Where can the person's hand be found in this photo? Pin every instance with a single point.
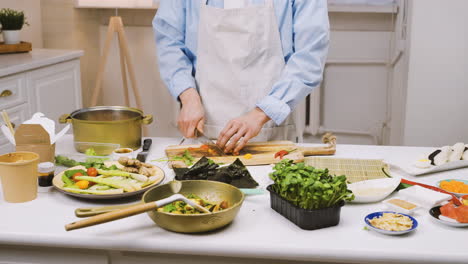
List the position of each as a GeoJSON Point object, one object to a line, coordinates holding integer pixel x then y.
{"type": "Point", "coordinates": [239, 131]}
{"type": "Point", "coordinates": [192, 113]}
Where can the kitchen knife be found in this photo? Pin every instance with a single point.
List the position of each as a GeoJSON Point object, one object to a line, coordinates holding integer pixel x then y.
{"type": "Point", "coordinates": [206, 141]}
{"type": "Point", "coordinates": [144, 153]}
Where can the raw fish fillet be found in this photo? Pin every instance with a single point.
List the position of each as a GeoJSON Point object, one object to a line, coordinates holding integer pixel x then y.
{"type": "Point", "coordinates": [449, 210]}
{"type": "Point", "coordinates": [462, 214]}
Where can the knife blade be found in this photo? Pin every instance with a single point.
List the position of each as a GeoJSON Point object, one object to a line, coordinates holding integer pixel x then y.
{"type": "Point", "coordinates": [144, 153]}
{"type": "Point", "coordinates": [206, 141]}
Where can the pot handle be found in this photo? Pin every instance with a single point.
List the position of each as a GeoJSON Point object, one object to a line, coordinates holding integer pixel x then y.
{"type": "Point", "coordinates": [147, 119]}
{"type": "Point", "coordinates": [66, 118]}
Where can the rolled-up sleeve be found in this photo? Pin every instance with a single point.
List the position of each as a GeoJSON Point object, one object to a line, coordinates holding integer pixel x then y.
{"type": "Point", "coordinates": [169, 28]}
{"type": "Point", "coordinates": [304, 69]}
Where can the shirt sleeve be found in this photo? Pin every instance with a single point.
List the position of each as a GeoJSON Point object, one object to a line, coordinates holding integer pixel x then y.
{"type": "Point", "coordinates": [304, 69]}
{"type": "Point", "coordinates": [169, 28]}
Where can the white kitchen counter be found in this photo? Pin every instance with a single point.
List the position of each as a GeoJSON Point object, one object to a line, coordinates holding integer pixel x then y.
{"type": "Point", "coordinates": [20, 62]}
{"type": "Point", "coordinates": [258, 232]}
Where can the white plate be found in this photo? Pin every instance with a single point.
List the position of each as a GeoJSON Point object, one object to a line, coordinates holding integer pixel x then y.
{"type": "Point", "coordinates": [387, 185]}
{"type": "Point", "coordinates": [413, 170]}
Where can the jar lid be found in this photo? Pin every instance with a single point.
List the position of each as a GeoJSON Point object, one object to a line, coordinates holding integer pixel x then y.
{"type": "Point", "coordinates": [45, 167]}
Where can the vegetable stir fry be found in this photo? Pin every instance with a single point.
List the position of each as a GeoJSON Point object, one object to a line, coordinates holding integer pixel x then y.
{"type": "Point", "coordinates": [180, 207]}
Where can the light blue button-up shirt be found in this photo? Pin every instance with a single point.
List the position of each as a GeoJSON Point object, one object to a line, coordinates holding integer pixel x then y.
{"type": "Point", "coordinates": [304, 30]}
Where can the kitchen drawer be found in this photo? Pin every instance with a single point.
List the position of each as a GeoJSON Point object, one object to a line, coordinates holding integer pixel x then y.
{"type": "Point", "coordinates": [41, 255]}
{"type": "Point", "coordinates": [12, 90]}
{"type": "Point", "coordinates": [18, 115]}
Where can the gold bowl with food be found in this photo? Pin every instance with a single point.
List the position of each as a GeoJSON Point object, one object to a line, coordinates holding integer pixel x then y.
{"type": "Point", "coordinates": [215, 195]}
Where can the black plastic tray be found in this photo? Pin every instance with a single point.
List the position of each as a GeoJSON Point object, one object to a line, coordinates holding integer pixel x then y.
{"type": "Point", "coordinates": [305, 219]}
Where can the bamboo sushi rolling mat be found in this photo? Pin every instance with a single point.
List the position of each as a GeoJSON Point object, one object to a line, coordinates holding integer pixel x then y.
{"type": "Point", "coordinates": [356, 170]}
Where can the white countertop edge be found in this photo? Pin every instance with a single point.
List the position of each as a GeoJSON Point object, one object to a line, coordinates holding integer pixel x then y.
{"type": "Point", "coordinates": [313, 254]}
{"type": "Point", "coordinates": [68, 55]}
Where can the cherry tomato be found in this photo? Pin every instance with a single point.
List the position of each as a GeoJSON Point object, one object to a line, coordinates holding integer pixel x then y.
{"type": "Point", "coordinates": [78, 174]}
{"type": "Point", "coordinates": [92, 172]}
{"type": "Point", "coordinates": [280, 154]}
{"type": "Point", "coordinates": [82, 184]}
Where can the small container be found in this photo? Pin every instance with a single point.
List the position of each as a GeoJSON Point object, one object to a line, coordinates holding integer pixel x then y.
{"type": "Point", "coordinates": [306, 219]}
{"type": "Point", "coordinates": [46, 172]}
{"type": "Point", "coordinates": [401, 205]}
{"type": "Point", "coordinates": [18, 174]}
{"type": "Point", "coordinates": [123, 152]}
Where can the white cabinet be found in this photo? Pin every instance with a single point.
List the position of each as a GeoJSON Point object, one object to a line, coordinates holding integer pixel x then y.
{"type": "Point", "coordinates": [55, 90]}
{"type": "Point", "coordinates": [46, 81]}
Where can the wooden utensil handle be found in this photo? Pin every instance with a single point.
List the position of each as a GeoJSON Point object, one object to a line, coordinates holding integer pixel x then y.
{"type": "Point", "coordinates": [92, 211]}
{"type": "Point", "coordinates": [111, 216]}
{"type": "Point", "coordinates": [316, 151]}
{"type": "Point", "coordinates": [329, 139]}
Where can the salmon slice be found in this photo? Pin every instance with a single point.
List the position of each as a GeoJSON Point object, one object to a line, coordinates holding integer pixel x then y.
{"type": "Point", "coordinates": [449, 210]}
{"type": "Point", "coordinates": [462, 214]}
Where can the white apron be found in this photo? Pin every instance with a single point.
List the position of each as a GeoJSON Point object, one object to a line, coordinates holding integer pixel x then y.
{"type": "Point", "coordinates": [239, 59]}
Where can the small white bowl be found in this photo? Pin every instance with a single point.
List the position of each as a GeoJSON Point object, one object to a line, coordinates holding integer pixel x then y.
{"type": "Point", "coordinates": [129, 154]}
{"type": "Point", "coordinates": [382, 187]}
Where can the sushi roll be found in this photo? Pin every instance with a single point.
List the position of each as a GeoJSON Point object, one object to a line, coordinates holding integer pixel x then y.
{"type": "Point", "coordinates": [465, 154]}
{"type": "Point", "coordinates": [457, 152]}
{"type": "Point", "coordinates": [440, 156]}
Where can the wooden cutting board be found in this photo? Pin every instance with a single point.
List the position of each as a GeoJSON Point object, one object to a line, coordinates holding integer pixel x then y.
{"type": "Point", "coordinates": [263, 153]}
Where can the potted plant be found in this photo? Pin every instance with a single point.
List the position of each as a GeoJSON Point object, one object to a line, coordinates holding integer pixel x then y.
{"type": "Point", "coordinates": [12, 22]}
{"type": "Point", "coordinates": [309, 197]}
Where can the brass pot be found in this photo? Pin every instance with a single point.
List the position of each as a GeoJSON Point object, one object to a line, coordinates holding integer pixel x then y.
{"type": "Point", "coordinates": [209, 190]}
{"type": "Point", "coordinates": [108, 124]}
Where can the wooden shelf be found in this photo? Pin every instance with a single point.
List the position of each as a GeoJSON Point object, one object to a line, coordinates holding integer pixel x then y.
{"type": "Point", "coordinates": [387, 9]}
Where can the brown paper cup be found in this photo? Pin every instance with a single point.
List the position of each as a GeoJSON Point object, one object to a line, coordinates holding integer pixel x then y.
{"type": "Point", "coordinates": [18, 174]}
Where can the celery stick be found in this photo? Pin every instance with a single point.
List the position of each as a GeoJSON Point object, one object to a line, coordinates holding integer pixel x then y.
{"type": "Point", "coordinates": [111, 191]}
{"type": "Point", "coordinates": [139, 177]}
{"type": "Point", "coordinates": [112, 183]}
{"type": "Point", "coordinates": [67, 182]}
{"type": "Point", "coordinates": [135, 176]}
{"type": "Point", "coordinates": [114, 173]}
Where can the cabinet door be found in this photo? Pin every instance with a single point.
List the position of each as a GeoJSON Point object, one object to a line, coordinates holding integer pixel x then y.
{"type": "Point", "coordinates": [17, 116]}
{"type": "Point", "coordinates": [55, 90]}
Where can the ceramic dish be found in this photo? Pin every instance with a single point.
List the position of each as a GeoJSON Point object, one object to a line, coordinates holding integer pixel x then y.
{"type": "Point", "coordinates": [386, 232]}
{"type": "Point", "coordinates": [377, 189]}
{"type": "Point", "coordinates": [394, 204]}
{"type": "Point", "coordinates": [438, 217]}
{"type": "Point", "coordinates": [123, 152]}
{"type": "Point", "coordinates": [58, 184]}
{"type": "Point", "coordinates": [456, 194]}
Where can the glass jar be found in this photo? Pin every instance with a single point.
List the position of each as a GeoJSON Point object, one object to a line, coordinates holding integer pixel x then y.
{"type": "Point", "coordinates": [46, 173]}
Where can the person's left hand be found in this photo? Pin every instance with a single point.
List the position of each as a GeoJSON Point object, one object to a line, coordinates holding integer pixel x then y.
{"type": "Point", "coordinates": [239, 131]}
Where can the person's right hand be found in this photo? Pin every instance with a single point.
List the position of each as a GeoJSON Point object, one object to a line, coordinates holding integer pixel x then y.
{"type": "Point", "coordinates": [192, 113]}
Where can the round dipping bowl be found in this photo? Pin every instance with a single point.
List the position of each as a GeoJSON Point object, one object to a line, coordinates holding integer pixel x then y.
{"type": "Point", "coordinates": [208, 190]}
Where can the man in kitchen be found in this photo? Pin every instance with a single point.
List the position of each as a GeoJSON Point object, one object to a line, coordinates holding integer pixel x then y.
{"type": "Point", "coordinates": [240, 67]}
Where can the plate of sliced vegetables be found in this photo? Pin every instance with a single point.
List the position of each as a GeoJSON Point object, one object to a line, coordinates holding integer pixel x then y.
{"type": "Point", "coordinates": [117, 179]}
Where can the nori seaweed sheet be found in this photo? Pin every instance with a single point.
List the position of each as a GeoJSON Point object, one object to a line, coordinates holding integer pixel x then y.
{"type": "Point", "coordinates": [205, 169]}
